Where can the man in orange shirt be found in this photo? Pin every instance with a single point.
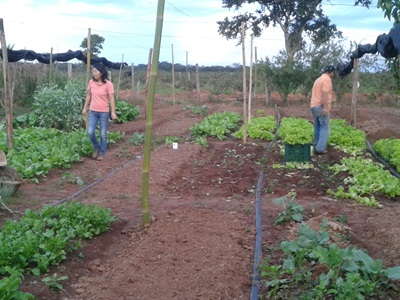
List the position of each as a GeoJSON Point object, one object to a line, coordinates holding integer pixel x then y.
{"type": "Point", "coordinates": [321, 100]}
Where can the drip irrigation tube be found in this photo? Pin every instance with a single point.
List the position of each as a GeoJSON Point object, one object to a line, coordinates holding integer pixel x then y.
{"type": "Point", "coordinates": [383, 162]}
{"type": "Point", "coordinates": [96, 182]}
{"type": "Point", "coordinates": [254, 295]}
{"type": "Point", "coordinates": [257, 248]}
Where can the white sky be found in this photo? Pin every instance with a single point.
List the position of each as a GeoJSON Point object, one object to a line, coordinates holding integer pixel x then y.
{"type": "Point", "coordinates": [128, 27]}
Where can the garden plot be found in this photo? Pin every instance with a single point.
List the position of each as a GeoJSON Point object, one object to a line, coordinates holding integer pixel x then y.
{"type": "Point", "coordinates": [201, 240]}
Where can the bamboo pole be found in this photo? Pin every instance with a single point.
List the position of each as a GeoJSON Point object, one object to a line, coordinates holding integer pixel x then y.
{"type": "Point", "coordinates": [88, 68]}
{"type": "Point", "coordinates": [251, 78]}
{"type": "Point", "coordinates": [255, 73]}
{"type": "Point", "coordinates": [173, 75]}
{"type": "Point", "coordinates": [197, 84]}
{"type": "Point", "coordinates": [149, 66]}
{"type": "Point", "coordinates": [7, 87]}
{"type": "Point", "coordinates": [187, 72]}
{"type": "Point", "coordinates": [353, 120]}
{"type": "Point", "coordinates": [244, 86]}
{"type": "Point", "coordinates": [119, 78]}
{"type": "Point", "coordinates": [51, 66]}
{"type": "Point", "coordinates": [133, 80]}
{"type": "Point", "coordinates": [149, 114]}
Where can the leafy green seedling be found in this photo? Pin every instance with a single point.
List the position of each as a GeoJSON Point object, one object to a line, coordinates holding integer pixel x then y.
{"type": "Point", "coordinates": [53, 282]}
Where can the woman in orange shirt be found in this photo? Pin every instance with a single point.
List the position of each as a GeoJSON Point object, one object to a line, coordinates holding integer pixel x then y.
{"type": "Point", "coordinates": [100, 97]}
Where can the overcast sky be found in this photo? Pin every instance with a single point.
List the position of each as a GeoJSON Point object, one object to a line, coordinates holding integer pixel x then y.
{"type": "Point", "coordinates": [190, 27]}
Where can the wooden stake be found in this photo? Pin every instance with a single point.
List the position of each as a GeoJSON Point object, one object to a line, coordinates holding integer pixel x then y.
{"type": "Point", "coordinates": [197, 84]}
{"type": "Point", "coordinates": [353, 120]}
{"type": "Point", "coordinates": [88, 71]}
{"type": "Point", "coordinates": [244, 87]}
{"type": "Point", "coordinates": [7, 87]}
{"type": "Point", "coordinates": [251, 79]}
{"type": "Point", "coordinates": [149, 62]}
{"type": "Point", "coordinates": [119, 78]}
{"type": "Point", "coordinates": [173, 75]}
{"type": "Point", "coordinates": [133, 79]}
{"type": "Point", "coordinates": [149, 115]}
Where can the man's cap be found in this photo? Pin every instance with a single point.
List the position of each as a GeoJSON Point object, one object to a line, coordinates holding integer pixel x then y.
{"type": "Point", "coordinates": [329, 69]}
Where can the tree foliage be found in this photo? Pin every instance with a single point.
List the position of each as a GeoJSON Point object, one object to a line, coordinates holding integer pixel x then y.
{"type": "Point", "coordinates": [292, 16]}
{"type": "Point", "coordinates": [96, 45]}
{"type": "Point", "coordinates": [391, 9]}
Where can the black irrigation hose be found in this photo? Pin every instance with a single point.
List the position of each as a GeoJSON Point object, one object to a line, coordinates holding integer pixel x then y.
{"type": "Point", "coordinates": [95, 183]}
{"type": "Point", "coordinates": [254, 295]}
{"type": "Point", "coordinates": [257, 248]}
{"type": "Point", "coordinates": [383, 162]}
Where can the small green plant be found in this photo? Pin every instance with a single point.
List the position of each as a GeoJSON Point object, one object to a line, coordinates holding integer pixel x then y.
{"type": "Point", "coordinates": [126, 112]}
{"type": "Point", "coordinates": [260, 112]}
{"type": "Point", "coordinates": [341, 219]}
{"type": "Point", "coordinates": [53, 282]}
{"type": "Point", "coordinates": [171, 139]}
{"type": "Point", "coordinates": [9, 286]}
{"type": "Point", "coordinates": [202, 141]}
{"type": "Point", "coordinates": [200, 110]}
{"type": "Point", "coordinates": [137, 139]}
{"type": "Point", "coordinates": [292, 212]}
{"type": "Point", "coordinates": [72, 178]}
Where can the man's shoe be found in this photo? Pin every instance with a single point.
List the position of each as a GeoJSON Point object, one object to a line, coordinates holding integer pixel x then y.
{"type": "Point", "coordinates": [101, 157]}
{"type": "Point", "coordinates": [320, 153]}
{"type": "Point", "coordinates": [95, 154]}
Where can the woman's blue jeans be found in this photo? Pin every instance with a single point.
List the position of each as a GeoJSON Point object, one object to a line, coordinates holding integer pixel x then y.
{"type": "Point", "coordinates": [95, 118]}
{"type": "Point", "coordinates": [321, 128]}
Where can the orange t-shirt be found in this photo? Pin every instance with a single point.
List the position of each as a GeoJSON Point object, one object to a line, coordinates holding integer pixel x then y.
{"type": "Point", "coordinates": [323, 85]}
{"type": "Point", "coordinates": [100, 95]}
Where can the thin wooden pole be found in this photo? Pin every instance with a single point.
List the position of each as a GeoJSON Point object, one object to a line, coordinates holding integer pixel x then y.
{"type": "Point", "coordinates": [149, 62]}
{"type": "Point", "coordinates": [173, 75]}
{"type": "Point", "coordinates": [51, 66]}
{"type": "Point", "coordinates": [119, 77]}
{"type": "Point", "coordinates": [88, 72]}
{"type": "Point", "coordinates": [255, 73]}
{"type": "Point", "coordinates": [244, 87]}
{"type": "Point", "coordinates": [133, 79]}
{"type": "Point", "coordinates": [197, 84]}
{"type": "Point", "coordinates": [353, 121]}
{"type": "Point", "coordinates": [149, 114]}
{"type": "Point", "coordinates": [251, 78]}
{"type": "Point", "coordinates": [7, 87]}
{"type": "Point", "coordinates": [187, 72]}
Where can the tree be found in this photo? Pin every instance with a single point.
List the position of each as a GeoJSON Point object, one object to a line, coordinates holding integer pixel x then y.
{"type": "Point", "coordinates": [294, 17]}
{"type": "Point", "coordinates": [391, 9]}
{"type": "Point", "coordinates": [96, 45]}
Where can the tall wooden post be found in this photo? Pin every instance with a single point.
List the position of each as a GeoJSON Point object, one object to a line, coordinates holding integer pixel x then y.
{"type": "Point", "coordinates": [173, 74]}
{"type": "Point", "coordinates": [353, 120]}
{"type": "Point", "coordinates": [133, 80]}
{"type": "Point", "coordinates": [7, 87]}
{"type": "Point", "coordinates": [251, 79]}
{"type": "Point", "coordinates": [149, 63]}
{"type": "Point", "coordinates": [119, 78]}
{"type": "Point", "coordinates": [244, 86]}
{"type": "Point", "coordinates": [88, 72]}
{"type": "Point", "coordinates": [197, 84]}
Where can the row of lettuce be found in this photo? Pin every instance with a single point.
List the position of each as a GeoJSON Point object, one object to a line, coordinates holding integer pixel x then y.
{"type": "Point", "coordinates": [366, 177]}
{"type": "Point", "coordinates": [42, 239]}
{"type": "Point", "coordinates": [53, 134]}
{"type": "Point", "coordinates": [38, 149]}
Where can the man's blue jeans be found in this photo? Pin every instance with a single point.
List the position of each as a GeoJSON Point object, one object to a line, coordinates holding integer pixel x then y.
{"type": "Point", "coordinates": [102, 118]}
{"type": "Point", "coordinates": [321, 128]}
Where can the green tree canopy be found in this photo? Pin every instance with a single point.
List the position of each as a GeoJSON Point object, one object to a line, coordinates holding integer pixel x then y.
{"type": "Point", "coordinates": [96, 44]}
{"type": "Point", "coordinates": [292, 16]}
{"type": "Point", "coordinates": [391, 9]}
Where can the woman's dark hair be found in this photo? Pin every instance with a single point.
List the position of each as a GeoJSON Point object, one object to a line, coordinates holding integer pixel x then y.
{"type": "Point", "coordinates": [102, 69]}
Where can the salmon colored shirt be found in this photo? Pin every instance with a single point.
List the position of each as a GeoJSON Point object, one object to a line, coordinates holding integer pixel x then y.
{"type": "Point", "coordinates": [100, 95]}
{"type": "Point", "coordinates": [323, 85]}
